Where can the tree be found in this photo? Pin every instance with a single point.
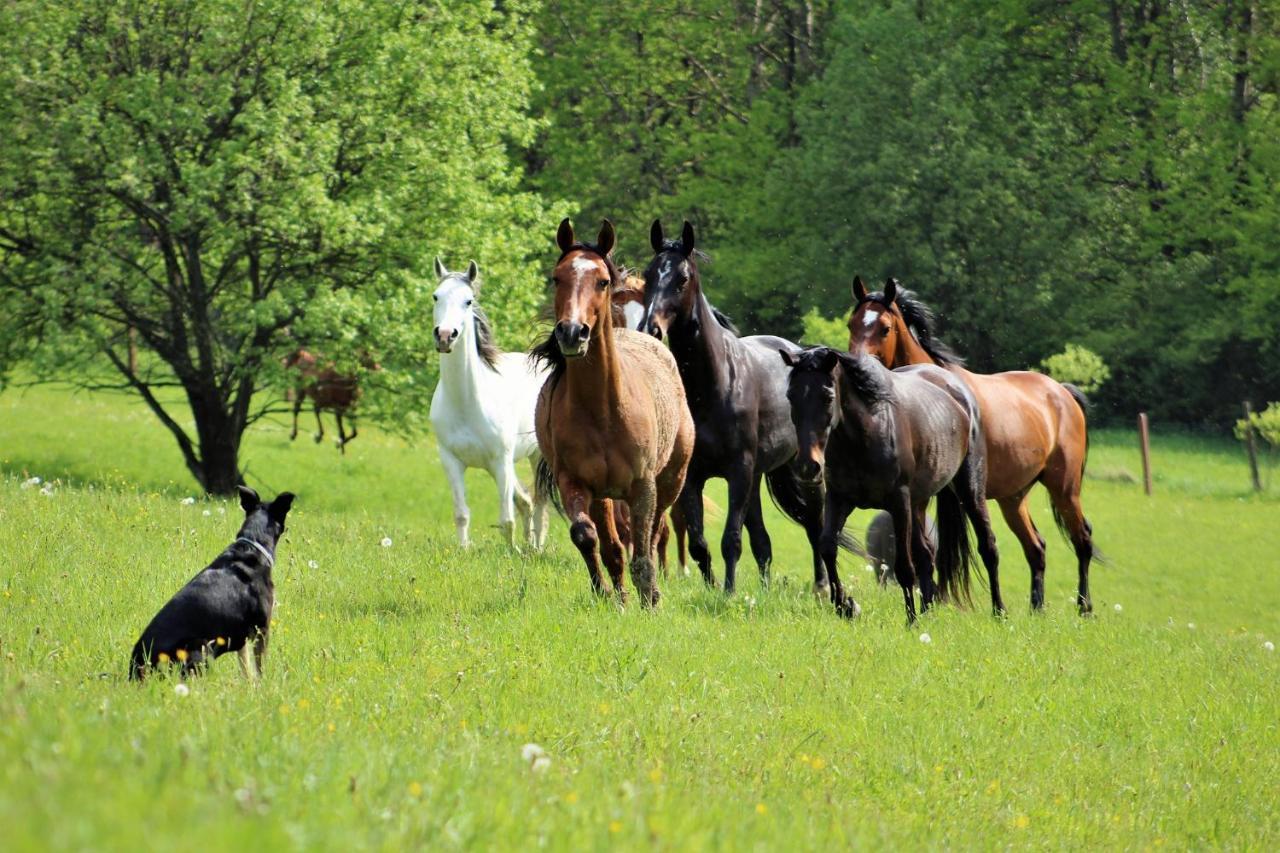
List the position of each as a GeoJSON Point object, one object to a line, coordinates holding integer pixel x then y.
{"type": "Point", "coordinates": [226, 180]}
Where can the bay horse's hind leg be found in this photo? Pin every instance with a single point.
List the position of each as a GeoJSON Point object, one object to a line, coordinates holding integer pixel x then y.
{"type": "Point", "coordinates": [1018, 516]}
{"type": "Point", "coordinates": [970, 487]}
{"type": "Point", "coordinates": [761, 546]}
{"type": "Point", "coordinates": [1070, 517]}
{"type": "Point", "coordinates": [661, 538]}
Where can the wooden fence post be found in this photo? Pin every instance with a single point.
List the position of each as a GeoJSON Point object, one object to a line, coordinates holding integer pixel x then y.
{"type": "Point", "coordinates": [1251, 447]}
{"type": "Point", "coordinates": [1145, 439]}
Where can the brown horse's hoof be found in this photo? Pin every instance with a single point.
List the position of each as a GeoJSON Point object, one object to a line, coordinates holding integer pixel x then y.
{"type": "Point", "coordinates": [319, 437]}
{"type": "Point", "coordinates": [848, 608]}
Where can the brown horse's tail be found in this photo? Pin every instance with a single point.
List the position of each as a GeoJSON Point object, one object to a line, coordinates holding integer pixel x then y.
{"type": "Point", "coordinates": [544, 485]}
{"type": "Point", "coordinates": [1083, 402]}
{"type": "Point", "coordinates": [955, 554]}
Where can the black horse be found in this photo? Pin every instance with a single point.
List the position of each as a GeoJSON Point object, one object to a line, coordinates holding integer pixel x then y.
{"type": "Point", "coordinates": [892, 440]}
{"type": "Point", "coordinates": [737, 392]}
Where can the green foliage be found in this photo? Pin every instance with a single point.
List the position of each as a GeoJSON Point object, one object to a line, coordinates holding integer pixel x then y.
{"type": "Point", "coordinates": [402, 681]}
{"type": "Point", "coordinates": [1265, 424]}
{"type": "Point", "coordinates": [832, 332]}
{"type": "Point", "coordinates": [1081, 367]}
{"type": "Point", "coordinates": [235, 185]}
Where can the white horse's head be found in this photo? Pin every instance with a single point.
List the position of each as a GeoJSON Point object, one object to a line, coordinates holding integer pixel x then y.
{"type": "Point", "coordinates": [454, 304]}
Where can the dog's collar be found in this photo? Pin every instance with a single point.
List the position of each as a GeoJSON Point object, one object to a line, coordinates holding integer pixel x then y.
{"type": "Point", "coordinates": [271, 561]}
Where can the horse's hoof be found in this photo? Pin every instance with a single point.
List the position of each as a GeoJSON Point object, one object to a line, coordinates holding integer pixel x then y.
{"type": "Point", "coordinates": [848, 608]}
{"type": "Point", "coordinates": [319, 437]}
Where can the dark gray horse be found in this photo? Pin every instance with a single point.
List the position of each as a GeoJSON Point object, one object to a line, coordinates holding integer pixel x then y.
{"type": "Point", "coordinates": [737, 393]}
{"type": "Point", "coordinates": [892, 440]}
{"type": "Point", "coordinates": [880, 547]}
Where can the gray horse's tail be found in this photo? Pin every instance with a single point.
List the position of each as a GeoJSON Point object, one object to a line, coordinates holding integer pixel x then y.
{"type": "Point", "coordinates": [955, 554]}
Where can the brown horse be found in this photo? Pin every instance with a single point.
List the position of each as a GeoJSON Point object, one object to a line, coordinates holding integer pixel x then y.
{"type": "Point", "coordinates": [328, 389]}
{"type": "Point", "coordinates": [612, 421]}
{"type": "Point", "coordinates": [1035, 427]}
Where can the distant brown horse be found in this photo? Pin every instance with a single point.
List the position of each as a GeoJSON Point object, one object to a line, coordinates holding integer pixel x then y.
{"type": "Point", "coordinates": [328, 389]}
{"type": "Point", "coordinates": [1035, 427]}
{"type": "Point", "coordinates": [612, 421]}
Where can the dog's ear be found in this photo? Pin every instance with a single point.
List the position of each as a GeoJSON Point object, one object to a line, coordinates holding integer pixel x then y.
{"type": "Point", "coordinates": [279, 507]}
{"type": "Point", "coordinates": [248, 498]}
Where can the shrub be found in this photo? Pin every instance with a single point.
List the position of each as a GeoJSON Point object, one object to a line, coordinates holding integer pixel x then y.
{"type": "Point", "coordinates": [1081, 367]}
{"type": "Point", "coordinates": [821, 331]}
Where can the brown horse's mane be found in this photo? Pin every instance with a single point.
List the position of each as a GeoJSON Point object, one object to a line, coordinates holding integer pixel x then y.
{"type": "Point", "coordinates": [548, 352]}
{"type": "Point", "coordinates": [921, 321]}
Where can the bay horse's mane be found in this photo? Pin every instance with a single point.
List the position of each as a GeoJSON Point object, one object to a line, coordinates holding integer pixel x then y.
{"type": "Point", "coordinates": [699, 255]}
{"type": "Point", "coordinates": [548, 352]}
{"type": "Point", "coordinates": [920, 319]}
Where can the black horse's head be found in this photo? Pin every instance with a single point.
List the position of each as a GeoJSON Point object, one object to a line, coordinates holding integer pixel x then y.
{"type": "Point", "coordinates": [811, 390]}
{"type": "Point", "coordinates": [671, 283]}
{"type": "Point", "coordinates": [263, 522]}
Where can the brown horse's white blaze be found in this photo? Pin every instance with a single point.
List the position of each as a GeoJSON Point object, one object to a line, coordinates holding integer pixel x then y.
{"type": "Point", "coordinates": [1035, 429]}
{"type": "Point", "coordinates": [612, 421]}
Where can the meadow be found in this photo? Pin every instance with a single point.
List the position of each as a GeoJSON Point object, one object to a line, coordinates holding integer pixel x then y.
{"type": "Point", "coordinates": [405, 675]}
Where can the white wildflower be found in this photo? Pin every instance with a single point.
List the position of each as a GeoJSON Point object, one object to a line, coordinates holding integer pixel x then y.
{"type": "Point", "coordinates": [187, 501]}
{"type": "Point", "coordinates": [386, 541]}
{"type": "Point", "coordinates": [312, 564]}
{"type": "Point", "coordinates": [181, 689]}
{"type": "Point", "coordinates": [926, 639]}
{"type": "Point", "coordinates": [1119, 608]}
{"type": "Point", "coordinates": [206, 513]}
{"type": "Point", "coordinates": [532, 752]}
{"type": "Point", "coordinates": [1269, 646]}
{"type": "Point", "coordinates": [1191, 625]}
{"type": "Point", "coordinates": [47, 490]}
{"type": "Point", "coordinates": [541, 764]}
{"type": "Point", "coordinates": [34, 481]}
{"type": "Point", "coordinates": [870, 568]}
{"type": "Point", "coordinates": [884, 568]}
{"type": "Point", "coordinates": [222, 510]}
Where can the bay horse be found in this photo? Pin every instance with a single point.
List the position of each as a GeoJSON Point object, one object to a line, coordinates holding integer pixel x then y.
{"type": "Point", "coordinates": [737, 392]}
{"type": "Point", "coordinates": [1035, 427]}
{"type": "Point", "coordinates": [329, 389]}
{"type": "Point", "coordinates": [612, 421]}
{"type": "Point", "coordinates": [891, 440]}
{"type": "Point", "coordinates": [482, 408]}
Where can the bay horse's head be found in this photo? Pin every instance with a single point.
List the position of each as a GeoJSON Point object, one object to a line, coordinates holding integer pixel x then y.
{"type": "Point", "coordinates": [876, 325]}
{"type": "Point", "coordinates": [671, 282]}
{"type": "Point", "coordinates": [582, 279]}
{"type": "Point", "coordinates": [811, 391]}
{"type": "Point", "coordinates": [454, 304]}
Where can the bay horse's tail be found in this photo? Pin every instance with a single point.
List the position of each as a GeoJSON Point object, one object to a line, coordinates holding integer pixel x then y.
{"type": "Point", "coordinates": [801, 505]}
{"type": "Point", "coordinates": [955, 554]}
{"type": "Point", "coordinates": [1083, 402]}
{"type": "Point", "coordinates": [544, 485]}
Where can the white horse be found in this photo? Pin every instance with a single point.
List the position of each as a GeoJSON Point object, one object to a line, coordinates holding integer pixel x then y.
{"type": "Point", "coordinates": [482, 409]}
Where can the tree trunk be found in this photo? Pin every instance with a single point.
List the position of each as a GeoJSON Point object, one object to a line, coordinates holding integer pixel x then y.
{"type": "Point", "coordinates": [218, 431]}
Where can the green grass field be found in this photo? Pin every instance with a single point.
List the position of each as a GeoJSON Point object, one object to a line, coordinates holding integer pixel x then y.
{"type": "Point", "coordinates": [403, 681]}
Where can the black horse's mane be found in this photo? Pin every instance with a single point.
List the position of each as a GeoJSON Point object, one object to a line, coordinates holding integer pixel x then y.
{"type": "Point", "coordinates": [859, 374]}
{"type": "Point", "coordinates": [920, 319]}
{"type": "Point", "coordinates": [699, 255]}
{"type": "Point", "coordinates": [548, 351]}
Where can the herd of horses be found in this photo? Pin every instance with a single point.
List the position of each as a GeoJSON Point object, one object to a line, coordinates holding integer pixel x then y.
{"type": "Point", "coordinates": [643, 391]}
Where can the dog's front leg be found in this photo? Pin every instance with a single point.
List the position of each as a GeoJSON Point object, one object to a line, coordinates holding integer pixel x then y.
{"type": "Point", "coordinates": [249, 662]}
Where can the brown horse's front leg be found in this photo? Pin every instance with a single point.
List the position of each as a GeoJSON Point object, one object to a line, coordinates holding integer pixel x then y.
{"type": "Point", "coordinates": [644, 503]}
{"type": "Point", "coordinates": [342, 435]}
{"type": "Point", "coordinates": [319, 426]}
{"type": "Point", "coordinates": [297, 407]}
{"type": "Point", "coordinates": [612, 550]}
{"type": "Point", "coordinates": [582, 530]}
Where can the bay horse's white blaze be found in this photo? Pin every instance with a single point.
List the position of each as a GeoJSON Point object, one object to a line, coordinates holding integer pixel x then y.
{"type": "Point", "coordinates": [482, 415]}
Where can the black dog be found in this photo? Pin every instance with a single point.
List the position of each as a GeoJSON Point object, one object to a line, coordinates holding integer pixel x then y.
{"type": "Point", "coordinates": [226, 606]}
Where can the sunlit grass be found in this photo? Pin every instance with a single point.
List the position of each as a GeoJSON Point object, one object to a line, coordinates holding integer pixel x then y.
{"type": "Point", "coordinates": [402, 682]}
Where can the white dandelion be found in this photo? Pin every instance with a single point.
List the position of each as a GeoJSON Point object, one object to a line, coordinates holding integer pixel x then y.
{"type": "Point", "coordinates": [386, 541]}
{"type": "Point", "coordinates": [222, 510]}
{"type": "Point", "coordinates": [870, 568]}
{"type": "Point", "coordinates": [181, 689]}
{"type": "Point", "coordinates": [1269, 646]}
{"type": "Point", "coordinates": [206, 513]}
{"type": "Point", "coordinates": [188, 501]}
{"type": "Point", "coordinates": [1191, 626]}
{"type": "Point", "coordinates": [29, 483]}
{"type": "Point", "coordinates": [884, 568]}
{"type": "Point", "coordinates": [540, 765]}
{"type": "Point", "coordinates": [1119, 608]}
{"type": "Point", "coordinates": [926, 639]}
{"type": "Point", "coordinates": [532, 752]}
{"type": "Point", "coordinates": [47, 490]}
{"type": "Point", "coordinates": [312, 564]}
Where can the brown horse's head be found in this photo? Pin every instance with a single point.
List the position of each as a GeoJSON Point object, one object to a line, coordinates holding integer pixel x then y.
{"type": "Point", "coordinates": [671, 282]}
{"type": "Point", "coordinates": [582, 279]}
{"type": "Point", "coordinates": [876, 326]}
{"type": "Point", "coordinates": [628, 303]}
{"type": "Point", "coordinates": [811, 391]}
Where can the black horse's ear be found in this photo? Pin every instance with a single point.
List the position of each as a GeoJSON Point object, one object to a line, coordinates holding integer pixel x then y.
{"type": "Point", "coordinates": [473, 272]}
{"type": "Point", "coordinates": [830, 358]}
{"type": "Point", "coordinates": [686, 239]}
{"type": "Point", "coordinates": [564, 235]}
{"type": "Point", "coordinates": [859, 289]}
{"type": "Point", "coordinates": [441, 272]}
{"type": "Point", "coordinates": [606, 239]}
{"type": "Point", "coordinates": [249, 499]}
{"type": "Point", "coordinates": [656, 236]}
{"type": "Point", "coordinates": [890, 290]}
{"type": "Point", "coordinates": [787, 358]}
{"type": "Point", "coordinates": [279, 507]}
